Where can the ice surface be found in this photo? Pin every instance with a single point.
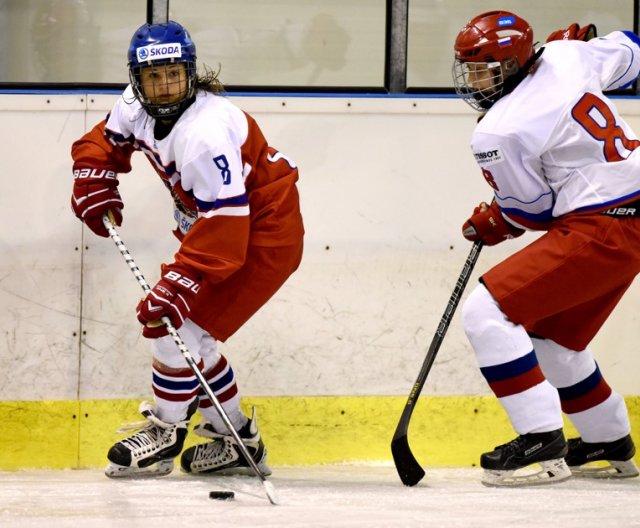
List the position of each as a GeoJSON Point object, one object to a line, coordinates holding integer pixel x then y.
{"type": "Point", "coordinates": [316, 496]}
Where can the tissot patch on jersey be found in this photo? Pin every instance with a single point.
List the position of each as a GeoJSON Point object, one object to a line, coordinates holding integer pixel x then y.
{"type": "Point", "coordinates": [488, 157]}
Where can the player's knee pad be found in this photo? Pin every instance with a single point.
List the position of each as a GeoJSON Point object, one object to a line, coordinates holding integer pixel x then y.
{"type": "Point", "coordinates": [494, 338]}
{"type": "Point", "coordinates": [167, 352]}
{"type": "Point", "coordinates": [209, 351]}
{"type": "Point", "coordinates": [474, 310]}
{"type": "Point", "coordinates": [562, 366]}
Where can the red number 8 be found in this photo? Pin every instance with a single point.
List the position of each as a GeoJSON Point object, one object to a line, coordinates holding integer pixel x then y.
{"type": "Point", "coordinates": [608, 133]}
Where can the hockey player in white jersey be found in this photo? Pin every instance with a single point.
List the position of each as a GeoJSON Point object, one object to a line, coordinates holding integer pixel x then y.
{"type": "Point", "coordinates": [560, 159]}
{"type": "Point", "coordinates": [238, 219]}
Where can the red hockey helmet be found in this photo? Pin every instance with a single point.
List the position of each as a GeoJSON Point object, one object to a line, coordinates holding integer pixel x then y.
{"type": "Point", "coordinates": [499, 40]}
{"type": "Point", "coordinates": [494, 37]}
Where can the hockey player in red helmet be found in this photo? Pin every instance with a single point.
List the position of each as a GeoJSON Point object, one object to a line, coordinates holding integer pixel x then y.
{"type": "Point", "coordinates": [560, 160]}
{"type": "Point", "coordinates": [492, 54]}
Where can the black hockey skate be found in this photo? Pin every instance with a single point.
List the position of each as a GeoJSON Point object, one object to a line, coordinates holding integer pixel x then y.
{"type": "Point", "coordinates": [221, 454]}
{"type": "Point", "coordinates": [602, 459]}
{"type": "Point", "coordinates": [150, 451]}
{"type": "Point", "coordinates": [509, 464]}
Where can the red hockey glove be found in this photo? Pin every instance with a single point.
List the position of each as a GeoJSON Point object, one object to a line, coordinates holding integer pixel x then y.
{"type": "Point", "coordinates": [95, 192]}
{"type": "Point", "coordinates": [488, 225]}
{"type": "Point", "coordinates": [574, 32]}
{"type": "Point", "coordinates": [173, 296]}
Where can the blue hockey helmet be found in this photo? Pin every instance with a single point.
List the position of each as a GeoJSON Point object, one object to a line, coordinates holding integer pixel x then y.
{"type": "Point", "coordinates": [156, 45]}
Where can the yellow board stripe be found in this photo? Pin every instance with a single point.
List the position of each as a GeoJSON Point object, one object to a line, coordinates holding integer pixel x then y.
{"type": "Point", "coordinates": [445, 430]}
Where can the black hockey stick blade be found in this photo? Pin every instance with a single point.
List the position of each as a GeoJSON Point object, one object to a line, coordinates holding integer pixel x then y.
{"type": "Point", "coordinates": [408, 467]}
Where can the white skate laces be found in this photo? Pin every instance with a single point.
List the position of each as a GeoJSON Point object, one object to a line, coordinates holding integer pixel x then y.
{"type": "Point", "coordinates": [221, 454]}
{"type": "Point", "coordinates": [151, 450]}
{"type": "Point", "coordinates": [213, 454]}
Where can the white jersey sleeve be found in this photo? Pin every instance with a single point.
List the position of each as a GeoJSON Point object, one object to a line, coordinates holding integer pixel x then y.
{"type": "Point", "coordinates": [616, 59]}
{"type": "Point", "coordinates": [557, 144]}
{"type": "Point", "coordinates": [121, 119]}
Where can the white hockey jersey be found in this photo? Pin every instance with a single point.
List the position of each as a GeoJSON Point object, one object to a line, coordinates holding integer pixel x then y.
{"type": "Point", "coordinates": [556, 144]}
{"type": "Point", "coordinates": [230, 188]}
{"type": "Point", "coordinates": [192, 154]}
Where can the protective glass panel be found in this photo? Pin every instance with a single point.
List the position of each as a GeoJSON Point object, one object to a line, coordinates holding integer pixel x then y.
{"type": "Point", "coordinates": [67, 40]}
{"type": "Point", "coordinates": [289, 43]}
{"type": "Point", "coordinates": [284, 43]}
{"type": "Point", "coordinates": [434, 25]}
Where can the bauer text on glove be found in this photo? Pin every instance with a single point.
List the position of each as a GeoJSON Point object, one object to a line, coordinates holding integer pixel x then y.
{"type": "Point", "coordinates": [173, 296]}
{"type": "Point", "coordinates": [489, 226]}
{"type": "Point", "coordinates": [95, 192]}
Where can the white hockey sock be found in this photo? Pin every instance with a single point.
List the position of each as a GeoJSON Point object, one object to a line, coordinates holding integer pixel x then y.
{"type": "Point", "coordinates": [605, 422]}
{"type": "Point", "coordinates": [174, 383]}
{"type": "Point", "coordinates": [222, 381]}
{"type": "Point", "coordinates": [506, 358]}
{"type": "Point", "coordinates": [597, 412]}
{"type": "Point", "coordinates": [173, 390]}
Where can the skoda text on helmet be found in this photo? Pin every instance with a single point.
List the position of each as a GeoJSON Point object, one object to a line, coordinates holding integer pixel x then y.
{"type": "Point", "coordinates": [489, 49]}
{"type": "Point", "coordinates": [157, 45]}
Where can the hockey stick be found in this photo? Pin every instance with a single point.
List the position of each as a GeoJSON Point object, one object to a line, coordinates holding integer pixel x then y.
{"type": "Point", "coordinates": [408, 467]}
{"type": "Point", "coordinates": [268, 486]}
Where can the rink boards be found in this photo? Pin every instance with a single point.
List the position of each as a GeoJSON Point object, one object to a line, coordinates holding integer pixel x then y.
{"type": "Point", "coordinates": [385, 183]}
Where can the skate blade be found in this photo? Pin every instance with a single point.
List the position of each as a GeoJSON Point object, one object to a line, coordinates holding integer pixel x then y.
{"type": "Point", "coordinates": [159, 469]}
{"type": "Point", "coordinates": [611, 469]}
{"type": "Point", "coordinates": [548, 472]}
{"type": "Point", "coordinates": [233, 471]}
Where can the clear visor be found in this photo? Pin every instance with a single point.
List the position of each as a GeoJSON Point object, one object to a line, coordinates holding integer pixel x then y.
{"type": "Point", "coordinates": [479, 84]}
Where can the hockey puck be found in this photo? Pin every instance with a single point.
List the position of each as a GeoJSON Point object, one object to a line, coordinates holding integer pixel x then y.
{"type": "Point", "coordinates": [222, 495]}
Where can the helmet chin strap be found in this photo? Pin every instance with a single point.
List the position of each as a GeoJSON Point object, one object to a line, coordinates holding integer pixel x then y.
{"type": "Point", "coordinates": [164, 125]}
{"type": "Point", "coordinates": [166, 111]}
{"type": "Point", "coordinates": [515, 79]}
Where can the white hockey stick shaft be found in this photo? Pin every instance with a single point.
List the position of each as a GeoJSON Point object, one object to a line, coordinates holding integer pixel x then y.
{"type": "Point", "coordinates": [268, 486]}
